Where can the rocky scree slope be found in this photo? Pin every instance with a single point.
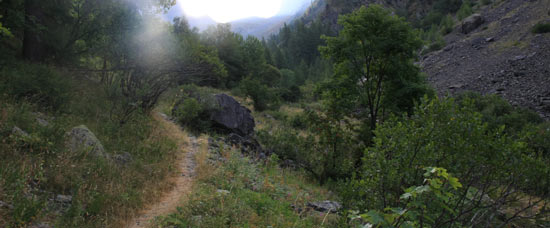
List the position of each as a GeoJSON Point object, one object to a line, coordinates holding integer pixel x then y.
{"type": "Point", "coordinates": [501, 56]}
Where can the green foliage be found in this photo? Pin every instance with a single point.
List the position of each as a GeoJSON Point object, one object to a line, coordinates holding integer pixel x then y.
{"type": "Point", "coordinates": [373, 57]}
{"type": "Point", "coordinates": [445, 134]}
{"type": "Point", "coordinates": [4, 32]}
{"type": "Point", "coordinates": [263, 97]}
{"type": "Point", "coordinates": [241, 193]}
{"type": "Point", "coordinates": [497, 112]}
{"type": "Point", "coordinates": [541, 28]}
{"type": "Point", "coordinates": [192, 107]}
{"type": "Point", "coordinates": [434, 39]}
{"type": "Point", "coordinates": [465, 10]}
{"type": "Point", "coordinates": [35, 83]}
{"type": "Point", "coordinates": [325, 147]}
{"type": "Point", "coordinates": [447, 24]}
{"type": "Point", "coordinates": [423, 202]}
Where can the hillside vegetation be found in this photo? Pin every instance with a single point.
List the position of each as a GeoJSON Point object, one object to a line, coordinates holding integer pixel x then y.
{"type": "Point", "coordinates": [332, 122]}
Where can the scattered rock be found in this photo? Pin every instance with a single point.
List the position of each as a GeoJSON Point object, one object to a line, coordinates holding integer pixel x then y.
{"type": "Point", "coordinates": [6, 205]}
{"type": "Point", "coordinates": [82, 139]}
{"type": "Point", "coordinates": [232, 116]}
{"type": "Point", "coordinates": [472, 22]}
{"type": "Point", "coordinates": [325, 206]}
{"type": "Point", "coordinates": [19, 132]}
{"type": "Point", "coordinates": [63, 199]}
{"type": "Point", "coordinates": [456, 86]}
{"type": "Point", "coordinates": [490, 39]}
{"type": "Point", "coordinates": [40, 225]}
{"type": "Point", "coordinates": [42, 119]}
{"type": "Point", "coordinates": [518, 57]}
{"type": "Point", "coordinates": [124, 158]}
{"type": "Point", "coordinates": [448, 48]}
{"type": "Point", "coordinates": [223, 192]}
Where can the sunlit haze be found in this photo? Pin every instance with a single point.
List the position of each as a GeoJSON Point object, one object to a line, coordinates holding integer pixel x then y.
{"type": "Point", "coordinates": [230, 10]}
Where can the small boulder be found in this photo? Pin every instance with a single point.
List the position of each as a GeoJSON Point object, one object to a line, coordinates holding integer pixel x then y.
{"type": "Point", "coordinates": [232, 116]}
{"type": "Point", "coordinates": [325, 206]}
{"type": "Point", "coordinates": [63, 199]}
{"type": "Point", "coordinates": [472, 22]}
{"type": "Point", "coordinates": [19, 132]}
{"type": "Point", "coordinates": [81, 139]}
{"type": "Point", "coordinates": [123, 159]}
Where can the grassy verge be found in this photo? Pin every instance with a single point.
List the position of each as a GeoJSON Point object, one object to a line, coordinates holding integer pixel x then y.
{"type": "Point", "coordinates": [232, 191]}
{"type": "Point", "coordinates": [36, 169]}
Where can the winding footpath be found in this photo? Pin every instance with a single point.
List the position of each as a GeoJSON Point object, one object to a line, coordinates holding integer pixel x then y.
{"type": "Point", "coordinates": [189, 146]}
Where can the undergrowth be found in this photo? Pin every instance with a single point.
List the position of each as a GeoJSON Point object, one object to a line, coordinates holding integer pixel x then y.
{"type": "Point", "coordinates": [36, 168]}
{"type": "Point", "coordinates": [233, 191]}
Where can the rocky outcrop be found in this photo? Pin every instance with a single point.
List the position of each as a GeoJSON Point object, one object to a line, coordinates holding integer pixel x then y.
{"type": "Point", "coordinates": [81, 139]}
{"type": "Point", "coordinates": [471, 23]}
{"type": "Point", "coordinates": [232, 116]}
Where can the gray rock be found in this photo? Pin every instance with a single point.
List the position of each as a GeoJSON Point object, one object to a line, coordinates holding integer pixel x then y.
{"type": "Point", "coordinates": [6, 205]}
{"type": "Point", "coordinates": [42, 119]}
{"type": "Point", "coordinates": [223, 192]}
{"type": "Point", "coordinates": [40, 225]}
{"type": "Point", "coordinates": [519, 57]}
{"type": "Point", "coordinates": [490, 39]}
{"type": "Point", "coordinates": [64, 199]}
{"type": "Point", "coordinates": [472, 22]}
{"type": "Point", "coordinates": [232, 116]}
{"type": "Point", "coordinates": [123, 158]}
{"type": "Point", "coordinates": [325, 206]}
{"type": "Point", "coordinates": [81, 139]}
{"type": "Point", "coordinates": [19, 132]}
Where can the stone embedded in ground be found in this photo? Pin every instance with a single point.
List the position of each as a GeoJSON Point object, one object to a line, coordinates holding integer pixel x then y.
{"type": "Point", "coordinates": [64, 199]}
{"type": "Point", "coordinates": [325, 206]}
{"type": "Point", "coordinates": [81, 139]}
{"type": "Point", "coordinates": [472, 22]}
{"type": "Point", "coordinates": [19, 132]}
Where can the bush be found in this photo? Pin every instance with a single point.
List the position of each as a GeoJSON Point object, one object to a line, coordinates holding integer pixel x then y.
{"type": "Point", "coordinates": [35, 83]}
{"type": "Point", "coordinates": [193, 108]}
{"type": "Point", "coordinates": [465, 10]}
{"type": "Point", "coordinates": [453, 137]}
{"type": "Point", "coordinates": [497, 112]}
{"type": "Point", "coordinates": [541, 28]}
{"type": "Point", "coordinates": [447, 24]}
{"type": "Point", "coordinates": [263, 97]}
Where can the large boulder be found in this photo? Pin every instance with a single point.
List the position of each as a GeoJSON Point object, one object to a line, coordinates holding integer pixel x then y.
{"type": "Point", "coordinates": [472, 22]}
{"type": "Point", "coordinates": [81, 139]}
{"type": "Point", "coordinates": [232, 116]}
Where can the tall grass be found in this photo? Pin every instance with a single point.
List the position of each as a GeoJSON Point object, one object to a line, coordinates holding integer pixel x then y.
{"type": "Point", "coordinates": [34, 169]}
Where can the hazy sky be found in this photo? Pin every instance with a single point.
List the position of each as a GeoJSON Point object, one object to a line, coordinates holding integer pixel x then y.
{"type": "Point", "coordinates": [231, 10]}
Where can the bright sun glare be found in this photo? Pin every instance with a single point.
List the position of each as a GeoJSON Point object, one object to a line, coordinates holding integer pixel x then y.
{"type": "Point", "coordinates": [230, 10]}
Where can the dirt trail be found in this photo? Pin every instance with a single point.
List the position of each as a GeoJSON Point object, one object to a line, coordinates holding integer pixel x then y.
{"type": "Point", "coordinates": [188, 146]}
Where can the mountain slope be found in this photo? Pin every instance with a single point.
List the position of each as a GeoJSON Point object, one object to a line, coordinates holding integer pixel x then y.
{"type": "Point", "coordinates": [501, 57]}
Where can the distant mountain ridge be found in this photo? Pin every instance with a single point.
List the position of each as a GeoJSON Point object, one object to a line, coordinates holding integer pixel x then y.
{"type": "Point", "coordinates": [255, 26]}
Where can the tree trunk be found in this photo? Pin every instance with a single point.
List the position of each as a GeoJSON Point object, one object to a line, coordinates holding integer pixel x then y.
{"type": "Point", "coordinates": [33, 49]}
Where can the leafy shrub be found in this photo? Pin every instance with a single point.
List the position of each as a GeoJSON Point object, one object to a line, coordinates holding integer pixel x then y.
{"type": "Point", "coordinates": [444, 134]}
{"type": "Point", "coordinates": [498, 112]}
{"type": "Point", "coordinates": [541, 28]}
{"type": "Point", "coordinates": [292, 94]}
{"type": "Point", "coordinates": [263, 97]}
{"type": "Point", "coordinates": [423, 203]}
{"type": "Point", "coordinates": [465, 10]}
{"type": "Point", "coordinates": [447, 24]}
{"type": "Point", "coordinates": [36, 83]}
{"type": "Point", "coordinates": [193, 107]}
